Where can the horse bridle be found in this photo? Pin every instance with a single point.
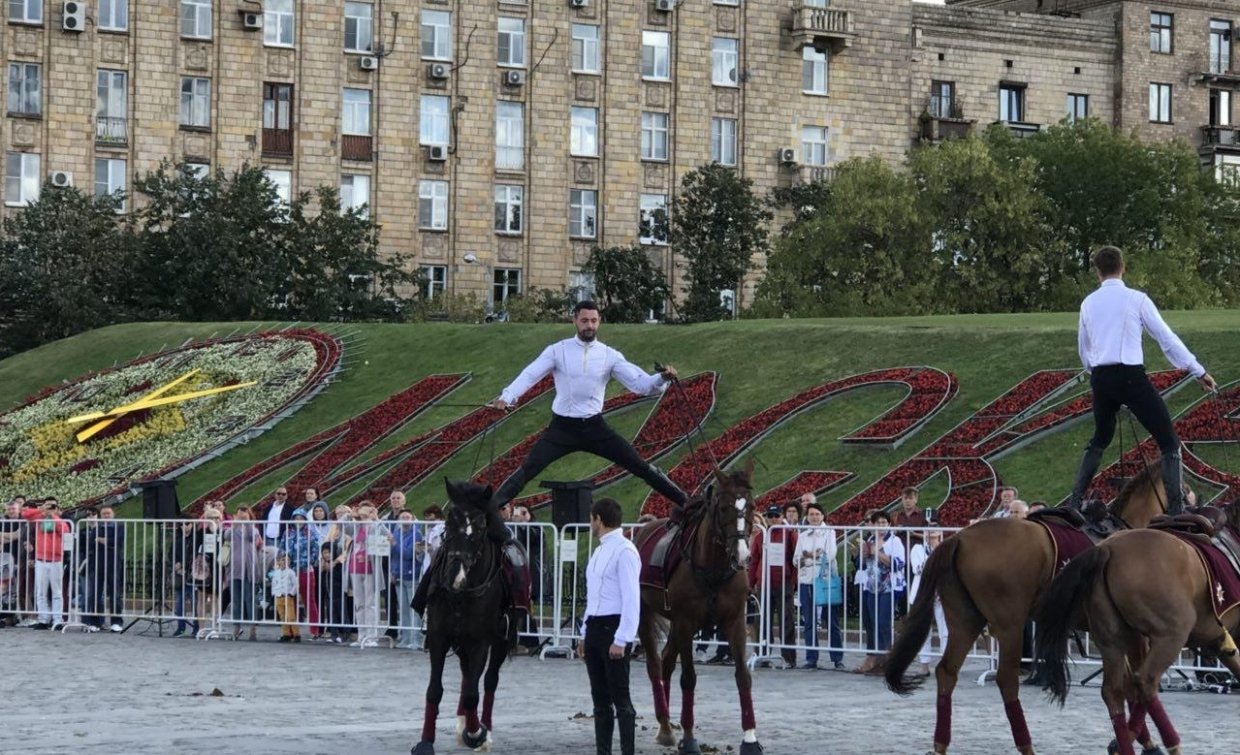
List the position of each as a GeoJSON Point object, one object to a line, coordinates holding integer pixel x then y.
{"type": "Point", "coordinates": [463, 549]}
{"type": "Point", "coordinates": [724, 535]}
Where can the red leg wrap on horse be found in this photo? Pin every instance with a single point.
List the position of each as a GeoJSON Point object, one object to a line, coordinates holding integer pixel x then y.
{"type": "Point", "coordinates": [1136, 721]}
{"type": "Point", "coordinates": [471, 720]}
{"type": "Point", "coordinates": [660, 699]}
{"type": "Point", "coordinates": [1016, 718]}
{"type": "Point", "coordinates": [943, 721]}
{"type": "Point", "coordinates": [686, 712]}
{"type": "Point", "coordinates": [488, 707]}
{"type": "Point", "coordinates": [428, 722]}
{"type": "Point", "coordinates": [1122, 735]}
{"type": "Point", "coordinates": [1170, 737]}
{"type": "Point", "coordinates": [748, 721]}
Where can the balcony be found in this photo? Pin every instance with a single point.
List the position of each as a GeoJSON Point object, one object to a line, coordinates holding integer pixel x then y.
{"type": "Point", "coordinates": [825, 29]}
{"type": "Point", "coordinates": [278, 142]}
{"type": "Point", "coordinates": [941, 120]}
{"type": "Point", "coordinates": [814, 173]}
{"type": "Point", "coordinates": [1020, 129]}
{"type": "Point", "coordinates": [111, 132]}
{"type": "Point", "coordinates": [1221, 72]}
{"type": "Point", "coordinates": [354, 147]}
{"type": "Point", "coordinates": [1220, 139]}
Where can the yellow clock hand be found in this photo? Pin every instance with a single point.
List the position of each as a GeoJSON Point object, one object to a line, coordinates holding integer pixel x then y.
{"type": "Point", "coordinates": [89, 432]}
{"type": "Point", "coordinates": [130, 406]}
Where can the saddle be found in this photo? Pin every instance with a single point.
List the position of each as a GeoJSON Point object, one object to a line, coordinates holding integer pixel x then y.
{"type": "Point", "coordinates": [1096, 522]}
{"type": "Point", "coordinates": [1206, 525]}
{"type": "Point", "coordinates": [661, 553]}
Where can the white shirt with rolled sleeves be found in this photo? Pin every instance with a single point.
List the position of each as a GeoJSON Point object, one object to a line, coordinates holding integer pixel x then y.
{"type": "Point", "coordinates": [582, 371]}
{"type": "Point", "coordinates": [613, 584]}
{"type": "Point", "coordinates": [1112, 320]}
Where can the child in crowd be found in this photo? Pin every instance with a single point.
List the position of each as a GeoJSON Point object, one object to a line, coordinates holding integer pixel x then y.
{"type": "Point", "coordinates": [330, 582]}
{"type": "Point", "coordinates": [284, 590]}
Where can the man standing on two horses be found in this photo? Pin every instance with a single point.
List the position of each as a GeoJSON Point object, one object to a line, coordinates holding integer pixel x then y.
{"type": "Point", "coordinates": [1109, 339]}
{"type": "Point", "coordinates": [582, 367]}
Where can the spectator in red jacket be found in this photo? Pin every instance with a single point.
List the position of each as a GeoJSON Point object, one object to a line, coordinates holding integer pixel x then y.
{"type": "Point", "coordinates": [49, 551]}
{"type": "Point", "coordinates": [781, 576]}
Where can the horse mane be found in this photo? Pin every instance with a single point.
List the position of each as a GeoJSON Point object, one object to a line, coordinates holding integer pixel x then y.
{"type": "Point", "coordinates": [1150, 475]}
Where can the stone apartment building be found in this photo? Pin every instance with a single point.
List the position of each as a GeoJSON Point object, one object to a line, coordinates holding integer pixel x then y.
{"type": "Point", "coordinates": [497, 142]}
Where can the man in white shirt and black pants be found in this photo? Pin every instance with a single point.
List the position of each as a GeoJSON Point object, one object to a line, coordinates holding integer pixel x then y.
{"type": "Point", "coordinates": [582, 367]}
{"type": "Point", "coordinates": [1109, 340]}
{"type": "Point", "coordinates": [613, 606]}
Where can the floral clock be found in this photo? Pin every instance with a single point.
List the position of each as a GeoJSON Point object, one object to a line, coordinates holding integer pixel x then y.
{"type": "Point", "coordinates": [97, 436]}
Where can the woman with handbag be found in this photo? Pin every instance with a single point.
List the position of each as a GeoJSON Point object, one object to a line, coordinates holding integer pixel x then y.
{"type": "Point", "coordinates": [815, 552]}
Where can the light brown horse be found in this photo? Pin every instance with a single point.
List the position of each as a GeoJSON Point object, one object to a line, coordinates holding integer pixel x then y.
{"type": "Point", "coordinates": [709, 587]}
{"type": "Point", "coordinates": [1145, 595]}
{"type": "Point", "coordinates": [991, 574]}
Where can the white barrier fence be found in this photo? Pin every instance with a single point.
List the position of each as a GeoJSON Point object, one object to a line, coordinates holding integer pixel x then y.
{"type": "Point", "coordinates": [820, 593]}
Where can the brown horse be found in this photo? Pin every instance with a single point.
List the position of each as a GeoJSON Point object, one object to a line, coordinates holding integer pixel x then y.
{"type": "Point", "coordinates": [991, 574]}
{"type": "Point", "coordinates": [1144, 595]}
{"type": "Point", "coordinates": [709, 587]}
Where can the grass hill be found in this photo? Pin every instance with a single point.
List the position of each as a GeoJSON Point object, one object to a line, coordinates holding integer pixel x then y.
{"type": "Point", "coordinates": [760, 363]}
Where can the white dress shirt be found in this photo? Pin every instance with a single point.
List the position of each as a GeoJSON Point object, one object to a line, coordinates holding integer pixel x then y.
{"type": "Point", "coordinates": [582, 371]}
{"type": "Point", "coordinates": [613, 584]}
{"type": "Point", "coordinates": [274, 515]}
{"type": "Point", "coordinates": [1112, 319]}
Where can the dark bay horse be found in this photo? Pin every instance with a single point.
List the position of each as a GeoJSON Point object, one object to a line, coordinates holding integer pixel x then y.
{"type": "Point", "coordinates": [709, 587]}
{"type": "Point", "coordinates": [991, 574]}
{"type": "Point", "coordinates": [467, 612]}
{"type": "Point", "coordinates": [1144, 595]}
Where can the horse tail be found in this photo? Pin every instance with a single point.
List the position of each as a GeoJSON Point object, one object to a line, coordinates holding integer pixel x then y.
{"type": "Point", "coordinates": [1060, 613]}
{"type": "Point", "coordinates": [916, 624]}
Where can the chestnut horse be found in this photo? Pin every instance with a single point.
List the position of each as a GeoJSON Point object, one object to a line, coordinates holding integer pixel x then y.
{"type": "Point", "coordinates": [991, 574]}
{"type": "Point", "coordinates": [1145, 595]}
{"type": "Point", "coordinates": [709, 587]}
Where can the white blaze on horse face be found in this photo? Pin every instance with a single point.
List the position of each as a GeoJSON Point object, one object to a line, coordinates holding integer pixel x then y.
{"type": "Point", "coordinates": [469, 530]}
{"type": "Point", "coordinates": [742, 547]}
{"type": "Point", "coordinates": [459, 581]}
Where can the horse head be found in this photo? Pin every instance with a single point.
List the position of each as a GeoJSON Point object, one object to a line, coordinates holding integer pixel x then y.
{"type": "Point", "coordinates": [1142, 498]}
{"type": "Point", "coordinates": [729, 514]}
{"type": "Point", "coordinates": [465, 533]}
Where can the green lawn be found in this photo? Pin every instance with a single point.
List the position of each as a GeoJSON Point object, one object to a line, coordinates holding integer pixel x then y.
{"type": "Point", "coordinates": [760, 362]}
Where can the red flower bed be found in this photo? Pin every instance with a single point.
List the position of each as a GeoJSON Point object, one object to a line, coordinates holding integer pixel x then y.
{"type": "Point", "coordinates": [85, 465]}
{"type": "Point", "coordinates": [929, 390]}
{"type": "Point", "coordinates": [804, 482]}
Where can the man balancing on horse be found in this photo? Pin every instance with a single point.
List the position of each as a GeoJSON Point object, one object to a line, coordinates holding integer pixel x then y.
{"type": "Point", "coordinates": [1109, 341]}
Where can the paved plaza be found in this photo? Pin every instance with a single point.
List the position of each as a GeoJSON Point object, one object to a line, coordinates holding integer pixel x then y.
{"type": "Point", "coordinates": [130, 693]}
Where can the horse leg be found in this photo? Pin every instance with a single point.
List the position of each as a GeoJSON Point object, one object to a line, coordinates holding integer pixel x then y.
{"type": "Point", "coordinates": [499, 653]}
{"type": "Point", "coordinates": [654, 671]}
{"type": "Point", "coordinates": [1008, 678]}
{"type": "Point", "coordinates": [472, 667]}
{"type": "Point", "coordinates": [737, 636]}
{"type": "Point", "coordinates": [1138, 708]}
{"type": "Point", "coordinates": [667, 665]}
{"type": "Point", "coordinates": [1115, 683]}
{"type": "Point", "coordinates": [961, 634]}
{"type": "Point", "coordinates": [688, 684]}
{"type": "Point", "coordinates": [1163, 652]}
{"type": "Point", "coordinates": [434, 694]}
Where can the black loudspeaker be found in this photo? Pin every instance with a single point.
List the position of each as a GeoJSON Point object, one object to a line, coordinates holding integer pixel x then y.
{"type": "Point", "coordinates": [159, 500]}
{"type": "Point", "coordinates": [570, 501]}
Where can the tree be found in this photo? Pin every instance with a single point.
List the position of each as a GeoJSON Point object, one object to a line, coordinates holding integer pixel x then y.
{"type": "Point", "coordinates": [717, 226]}
{"type": "Point", "coordinates": [627, 284]}
{"type": "Point", "coordinates": [65, 261]}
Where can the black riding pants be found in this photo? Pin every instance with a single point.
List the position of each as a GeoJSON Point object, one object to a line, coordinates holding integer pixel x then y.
{"type": "Point", "coordinates": [1119, 385]}
{"type": "Point", "coordinates": [593, 435]}
{"type": "Point", "coordinates": [609, 686]}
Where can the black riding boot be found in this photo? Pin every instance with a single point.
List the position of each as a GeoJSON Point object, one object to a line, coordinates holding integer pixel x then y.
{"type": "Point", "coordinates": [1085, 475]}
{"type": "Point", "coordinates": [421, 595]}
{"type": "Point", "coordinates": [604, 725]}
{"type": "Point", "coordinates": [628, 732]}
{"type": "Point", "coordinates": [1172, 473]}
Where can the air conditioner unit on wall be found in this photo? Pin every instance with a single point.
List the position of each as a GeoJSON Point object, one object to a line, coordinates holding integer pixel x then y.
{"type": "Point", "coordinates": [788, 156]}
{"type": "Point", "coordinates": [667, 6]}
{"type": "Point", "coordinates": [61, 179]}
{"type": "Point", "coordinates": [73, 17]}
{"type": "Point", "coordinates": [578, 3]}
{"type": "Point", "coordinates": [437, 70]}
{"type": "Point", "coordinates": [368, 63]}
{"type": "Point", "coordinates": [514, 78]}
{"type": "Point", "coordinates": [437, 153]}
{"type": "Point", "coordinates": [251, 21]}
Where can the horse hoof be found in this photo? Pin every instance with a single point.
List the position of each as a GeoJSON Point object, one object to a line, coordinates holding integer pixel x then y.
{"type": "Point", "coordinates": [665, 738]}
{"type": "Point", "coordinates": [423, 748]}
{"type": "Point", "coordinates": [751, 748]}
{"type": "Point", "coordinates": [688, 747]}
{"type": "Point", "coordinates": [1155, 750]}
{"type": "Point", "coordinates": [474, 740]}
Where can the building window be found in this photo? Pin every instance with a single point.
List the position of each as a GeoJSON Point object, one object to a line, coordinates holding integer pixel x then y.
{"type": "Point", "coordinates": [511, 42]}
{"type": "Point", "coordinates": [585, 48]}
{"type": "Point", "coordinates": [724, 55]}
{"type": "Point", "coordinates": [201, 171]}
{"type": "Point", "coordinates": [356, 112]}
{"type": "Point", "coordinates": [723, 141]}
{"type": "Point", "coordinates": [195, 102]}
{"type": "Point", "coordinates": [1220, 46]}
{"type": "Point", "coordinates": [359, 27]}
{"type": "Point", "coordinates": [580, 285]}
{"type": "Point", "coordinates": [434, 281]}
{"type": "Point", "coordinates": [1011, 103]}
{"type": "Point", "coordinates": [196, 19]}
{"type": "Point", "coordinates": [433, 205]}
{"type": "Point", "coordinates": [814, 145]}
{"type": "Point", "coordinates": [656, 55]}
{"type": "Point", "coordinates": [652, 219]}
{"type": "Point", "coordinates": [582, 213]}
{"type": "Point", "coordinates": [282, 180]}
{"type": "Point", "coordinates": [21, 179]}
{"type": "Point", "coordinates": [654, 136]}
{"type": "Point", "coordinates": [110, 179]}
{"type": "Point", "coordinates": [505, 283]}
{"type": "Point", "coordinates": [111, 106]}
{"type": "Point", "coordinates": [1078, 107]}
{"type": "Point", "coordinates": [1160, 103]}
{"type": "Point", "coordinates": [278, 106]}
{"type": "Point", "coordinates": [813, 71]}
{"type": "Point", "coordinates": [583, 139]}
{"type": "Point", "coordinates": [508, 199]}
{"type": "Point", "coordinates": [355, 194]}
{"type": "Point", "coordinates": [278, 23]}
{"type": "Point", "coordinates": [25, 88]}
{"type": "Point", "coordinates": [113, 15]}
{"type": "Point", "coordinates": [433, 128]}
{"type": "Point", "coordinates": [1160, 32]}
{"type": "Point", "coordinates": [26, 11]}
{"type": "Point", "coordinates": [509, 135]}
{"type": "Point", "coordinates": [1220, 107]}
{"type": "Point", "coordinates": [942, 99]}
{"type": "Point", "coordinates": [436, 35]}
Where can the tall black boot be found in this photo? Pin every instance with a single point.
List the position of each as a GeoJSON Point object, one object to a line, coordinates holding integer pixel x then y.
{"type": "Point", "coordinates": [420, 596]}
{"type": "Point", "coordinates": [1085, 475]}
{"type": "Point", "coordinates": [604, 725]}
{"type": "Point", "coordinates": [628, 732]}
{"type": "Point", "coordinates": [1173, 481]}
